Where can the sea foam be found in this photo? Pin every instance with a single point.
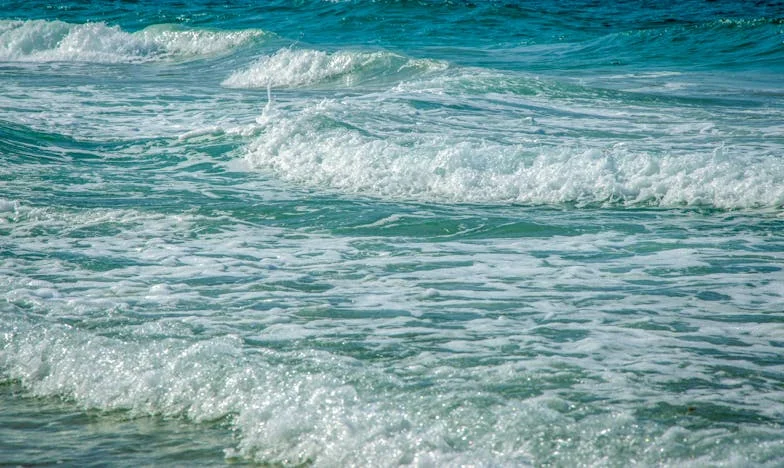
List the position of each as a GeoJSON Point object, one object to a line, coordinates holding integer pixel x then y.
{"type": "Point", "coordinates": [316, 148]}
{"type": "Point", "coordinates": [283, 415]}
{"type": "Point", "coordinates": [295, 68]}
{"type": "Point", "coordinates": [52, 41]}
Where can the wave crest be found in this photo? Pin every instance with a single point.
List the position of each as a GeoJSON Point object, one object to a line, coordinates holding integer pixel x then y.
{"type": "Point", "coordinates": [316, 148]}
{"type": "Point", "coordinates": [52, 41]}
{"type": "Point", "coordinates": [294, 68]}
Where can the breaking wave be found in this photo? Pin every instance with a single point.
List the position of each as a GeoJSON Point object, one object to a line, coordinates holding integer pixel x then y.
{"type": "Point", "coordinates": [314, 147]}
{"type": "Point", "coordinates": [295, 68]}
{"type": "Point", "coordinates": [58, 41]}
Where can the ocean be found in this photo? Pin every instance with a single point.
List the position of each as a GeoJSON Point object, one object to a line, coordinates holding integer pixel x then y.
{"type": "Point", "coordinates": [392, 233]}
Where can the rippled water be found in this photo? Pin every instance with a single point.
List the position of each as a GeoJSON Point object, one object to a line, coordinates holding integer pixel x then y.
{"type": "Point", "coordinates": [392, 233]}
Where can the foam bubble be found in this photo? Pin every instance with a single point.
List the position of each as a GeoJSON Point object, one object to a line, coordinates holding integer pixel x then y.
{"type": "Point", "coordinates": [8, 206]}
{"type": "Point", "coordinates": [48, 41]}
{"type": "Point", "coordinates": [293, 68]}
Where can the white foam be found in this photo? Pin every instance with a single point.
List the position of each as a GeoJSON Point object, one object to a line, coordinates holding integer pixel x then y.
{"type": "Point", "coordinates": [49, 41]}
{"type": "Point", "coordinates": [315, 407]}
{"type": "Point", "coordinates": [284, 414]}
{"type": "Point", "coordinates": [315, 147]}
{"type": "Point", "coordinates": [8, 206]}
{"type": "Point", "coordinates": [212, 350]}
{"type": "Point", "coordinates": [293, 68]}
{"type": "Point", "coordinates": [90, 112]}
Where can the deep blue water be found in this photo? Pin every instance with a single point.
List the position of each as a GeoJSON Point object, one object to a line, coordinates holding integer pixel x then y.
{"type": "Point", "coordinates": [392, 233]}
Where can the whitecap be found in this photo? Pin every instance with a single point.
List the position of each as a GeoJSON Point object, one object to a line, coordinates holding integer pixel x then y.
{"type": "Point", "coordinates": [316, 148]}
{"type": "Point", "coordinates": [58, 41]}
{"type": "Point", "coordinates": [294, 68]}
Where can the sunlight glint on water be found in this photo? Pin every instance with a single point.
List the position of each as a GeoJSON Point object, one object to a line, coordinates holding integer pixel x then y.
{"type": "Point", "coordinates": [381, 234]}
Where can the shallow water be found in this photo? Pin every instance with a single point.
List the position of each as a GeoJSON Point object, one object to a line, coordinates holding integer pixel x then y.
{"type": "Point", "coordinates": [392, 233]}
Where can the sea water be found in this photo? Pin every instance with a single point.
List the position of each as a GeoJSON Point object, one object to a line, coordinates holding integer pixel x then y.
{"type": "Point", "coordinates": [382, 233]}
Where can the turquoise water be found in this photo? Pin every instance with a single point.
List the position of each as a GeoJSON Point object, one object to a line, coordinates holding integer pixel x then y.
{"type": "Point", "coordinates": [392, 233]}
